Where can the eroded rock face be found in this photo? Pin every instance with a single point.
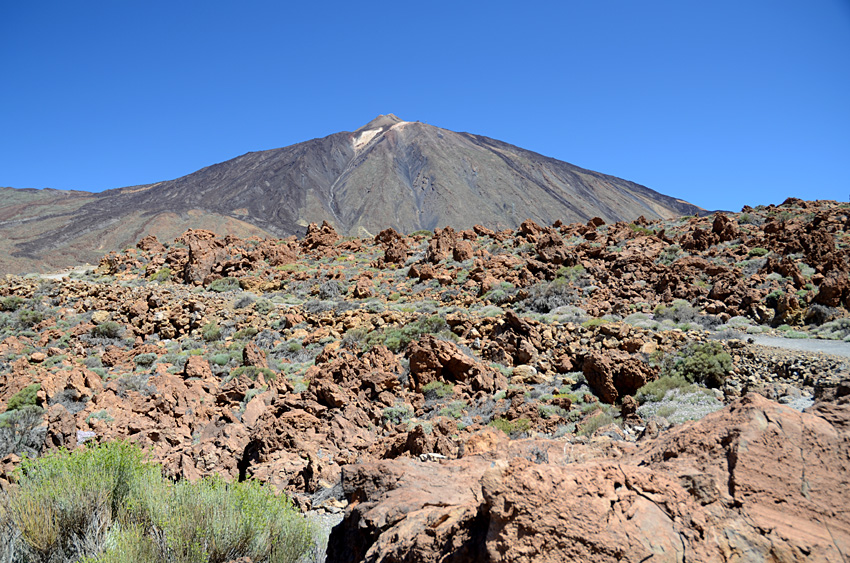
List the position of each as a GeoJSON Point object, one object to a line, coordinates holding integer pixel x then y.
{"type": "Point", "coordinates": [204, 252]}
{"type": "Point", "coordinates": [757, 481]}
{"type": "Point", "coordinates": [432, 359]}
{"type": "Point", "coordinates": [615, 374]}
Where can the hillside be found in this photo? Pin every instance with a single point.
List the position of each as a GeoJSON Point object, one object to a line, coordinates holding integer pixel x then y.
{"type": "Point", "coordinates": [472, 395]}
{"type": "Point", "coordinates": [408, 176]}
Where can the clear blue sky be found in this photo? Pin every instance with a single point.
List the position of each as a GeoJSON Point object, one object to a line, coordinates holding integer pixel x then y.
{"type": "Point", "coordinates": [722, 103]}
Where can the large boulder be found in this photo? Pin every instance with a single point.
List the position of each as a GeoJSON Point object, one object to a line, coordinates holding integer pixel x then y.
{"type": "Point", "coordinates": [614, 374]}
{"type": "Point", "coordinates": [756, 481]}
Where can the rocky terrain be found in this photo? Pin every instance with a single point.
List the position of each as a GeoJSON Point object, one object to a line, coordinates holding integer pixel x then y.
{"type": "Point", "coordinates": [389, 173]}
{"type": "Point", "coordinates": [471, 395]}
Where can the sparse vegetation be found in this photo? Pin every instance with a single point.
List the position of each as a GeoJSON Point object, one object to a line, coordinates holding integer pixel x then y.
{"type": "Point", "coordinates": [109, 504]}
{"type": "Point", "coordinates": [107, 329]}
{"type": "Point", "coordinates": [704, 363]}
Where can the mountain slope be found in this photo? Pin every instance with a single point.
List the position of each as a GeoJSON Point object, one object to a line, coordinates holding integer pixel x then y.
{"type": "Point", "coordinates": [389, 173]}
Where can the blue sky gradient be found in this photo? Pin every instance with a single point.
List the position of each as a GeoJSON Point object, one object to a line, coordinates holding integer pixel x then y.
{"type": "Point", "coordinates": [723, 103]}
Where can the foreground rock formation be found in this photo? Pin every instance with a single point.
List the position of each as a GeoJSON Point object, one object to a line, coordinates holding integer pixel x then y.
{"type": "Point", "coordinates": [756, 481]}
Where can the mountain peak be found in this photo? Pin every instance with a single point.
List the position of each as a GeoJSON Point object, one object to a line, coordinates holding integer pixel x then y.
{"type": "Point", "coordinates": [387, 120]}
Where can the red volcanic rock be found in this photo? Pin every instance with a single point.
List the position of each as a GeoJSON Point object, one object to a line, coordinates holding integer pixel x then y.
{"type": "Point", "coordinates": [387, 237]}
{"type": "Point", "coordinates": [725, 228]}
{"type": "Point", "coordinates": [408, 510]}
{"type": "Point", "coordinates": [197, 366]}
{"type": "Point", "coordinates": [363, 288]}
{"type": "Point", "coordinates": [61, 428]}
{"type": "Point", "coordinates": [833, 290]}
{"type": "Point", "coordinates": [756, 481]}
{"type": "Point", "coordinates": [441, 245]}
{"type": "Point", "coordinates": [396, 252]}
{"type": "Point", "coordinates": [614, 374]}
{"type": "Point", "coordinates": [150, 244]}
{"type": "Point", "coordinates": [432, 359]}
{"type": "Point", "coordinates": [253, 356]}
{"type": "Point", "coordinates": [318, 237]}
{"type": "Point", "coordinates": [205, 251]}
{"type": "Point", "coordinates": [529, 228]}
{"type": "Point", "coordinates": [551, 248]}
{"type": "Point", "coordinates": [275, 254]}
{"type": "Point", "coordinates": [463, 251]}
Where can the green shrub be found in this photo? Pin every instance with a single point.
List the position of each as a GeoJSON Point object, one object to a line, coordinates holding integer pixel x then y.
{"type": "Point", "coordinates": [592, 323]}
{"type": "Point", "coordinates": [512, 428]}
{"type": "Point", "coordinates": [11, 303]}
{"type": "Point", "coordinates": [397, 339]}
{"type": "Point", "coordinates": [654, 391]}
{"type": "Point", "coordinates": [22, 432]}
{"type": "Point", "coordinates": [253, 372]}
{"type": "Point", "coordinates": [548, 411]}
{"type": "Point", "coordinates": [438, 390]}
{"type": "Point", "coordinates": [705, 363]}
{"type": "Point", "coordinates": [210, 332]}
{"type": "Point", "coordinates": [758, 252]}
{"type": "Point", "coordinates": [670, 254]}
{"type": "Point", "coordinates": [162, 275]}
{"type": "Point", "coordinates": [25, 397]}
{"type": "Point", "coordinates": [108, 329]}
{"type": "Point", "coordinates": [28, 318]}
{"type": "Point", "coordinates": [100, 415]}
{"type": "Point", "coordinates": [596, 422]}
{"type": "Point", "coordinates": [145, 359]}
{"type": "Point", "coordinates": [220, 359]}
{"type": "Point", "coordinates": [224, 284]}
{"type": "Point", "coordinates": [106, 504]}
{"type": "Point", "coordinates": [245, 333]}
{"type": "Point", "coordinates": [641, 230]}
{"type": "Point", "coordinates": [264, 306]}
{"type": "Point", "coordinates": [398, 413]}
{"type": "Point", "coordinates": [571, 273]}
{"type": "Point", "coordinates": [453, 410]}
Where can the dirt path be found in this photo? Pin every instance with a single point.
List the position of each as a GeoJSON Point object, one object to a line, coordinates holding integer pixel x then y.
{"type": "Point", "coordinates": [67, 272]}
{"type": "Point", "coordinates": [833, 347]}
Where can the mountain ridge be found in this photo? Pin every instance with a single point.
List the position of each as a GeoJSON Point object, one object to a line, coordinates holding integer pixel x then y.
{"type": "Point", "coordinates": [406, 175]}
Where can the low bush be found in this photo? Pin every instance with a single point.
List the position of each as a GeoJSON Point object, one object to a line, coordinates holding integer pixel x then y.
{"type": "Point", "coordinates": [108, 329]}
{"type": "Point", "coordinates": [145, 359]}
{"type": "Point", "coordinates": [398, 413]}
{"type": "Point", "coordinates": [453, 409]}
{"type": "Point", "coordinates": [437, 390]}
{"type": "Point", "coordinates": [245, 333]}
{"type": "Point", "coordinates": [11, 303]}
{"type": "Point", "coordinates": [28, 317]}
{"type": "Point", "coordinates": [654, 391]}
{"type": "Point", "coordinates": [596, 422]}
{"type": "Point", "coordinates": [513, 428]}
{"type": "Point", "coordinates": [162, 275]}
{"type": "Point", "coordinates": [704, 363]}
{"type": "Point", "coordinates": [211, 332]}
{"type": "Point", "coordinates": [221, 359]}
{"type": "Point", "coordinates": [758, 252]}
{"type": "Point", "coordinates": [107, 504]}
{"type": "Point", "coordinates": [222, 285]}
{"type": "Point", "coordinates": [331, 289]}
{"type": "Point", "coordinates": [252, 372]}
{"type": "Point", "coordinates": [397, 339]}
{"type": "Point", "coordinates": [544, 297]}
{"type": "Point", "coordinates": [264, 306]}
{"type": "Point", "coordinates": [25, 397]}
